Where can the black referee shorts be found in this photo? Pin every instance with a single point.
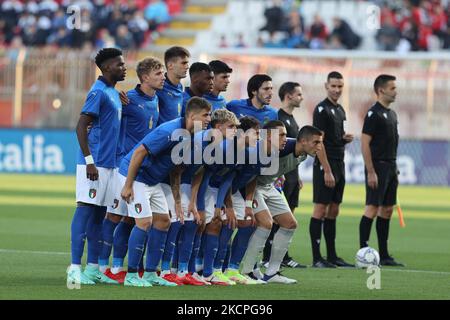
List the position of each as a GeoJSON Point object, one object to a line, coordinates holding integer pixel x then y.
{"type": "Point", "coordinates": [386, 193]}
{"type": "Point", "coordinates": [291, 189]}
{"type": "Point", "coordinates": [321, 193]}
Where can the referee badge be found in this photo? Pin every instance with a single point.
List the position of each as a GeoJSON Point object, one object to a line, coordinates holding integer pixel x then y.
{"type": "Point", "coordinates": [92, 193]}
{"type": "Point", "coordinates": [138, 208]}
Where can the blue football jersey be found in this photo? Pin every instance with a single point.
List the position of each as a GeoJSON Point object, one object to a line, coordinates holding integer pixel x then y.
{"type": "Point", "coordinates": [159, 143]}
{"type": "Point", "coordinates": [217, 102]}
{"type": "Point", "coordinates": [199, 141]}
{"type": "Point", "coordinates": [251, 169]}
{"type": "Point", "coordinates": [103, 104]}
{"type": "Point", "coordinates": [187, 94]}
{"type": "Point", "coordinates": [139, 118]}
{"type": "Point", "coordinates": [170, 101]}
{"type": "Point", "coordinates": [244, 107]}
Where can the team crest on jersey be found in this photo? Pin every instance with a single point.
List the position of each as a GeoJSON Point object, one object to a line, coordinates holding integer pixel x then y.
{"type": "Point", "coordinates": [116, 204]}
{"type": "Point", "coordinates": [332, 111]}
{"type": "Point", "coordinates": [385, 115]}
{"type": "Point", "coordinates": [92, 193]}
{"type": "Point", "coordinates": [138, 208]}
{"type": "Point", "coordinates": [320, 109]}
{"type": "Point", "coordinates": [288, 122]}
{"type": "Point", "coordinates": [370, 114]}
{"type": "Point", "coordinates": [255, 204]}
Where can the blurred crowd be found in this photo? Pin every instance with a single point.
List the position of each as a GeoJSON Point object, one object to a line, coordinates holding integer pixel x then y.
{"type": "Point", "coordinates": [414, 25]}
{"type": "Point", "coordinates": [127, 24]}
{"type": "Point", "coordinates": [405, 25]}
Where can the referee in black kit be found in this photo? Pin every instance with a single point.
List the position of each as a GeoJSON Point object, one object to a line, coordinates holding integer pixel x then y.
{"type": "Point", "coordinates": [329, 173]}
{"type": "Point", "coordinates": [291, 96]}
{"type": "Point", "coordinates": [379, 142]}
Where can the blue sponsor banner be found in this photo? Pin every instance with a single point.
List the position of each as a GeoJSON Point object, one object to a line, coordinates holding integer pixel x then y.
{"type": "Point", "coordinates": [55, 152]}
{"type": "Point", "coordinates": [419, 163]}
{"type": "Point", "coordinates": [38, 151]}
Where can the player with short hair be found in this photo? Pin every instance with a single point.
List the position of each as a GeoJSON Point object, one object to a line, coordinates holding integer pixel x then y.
{"type": "Point", "coordinates": [379, 143]}
{"type": "Point", "coordinates": [96, 162]}
{"type": "Point", "coordinates": [176, 61]}
{"type": "Point", "coordinates": [270, 204]}
{"type": "Point", "coordinates": [259, 90]}
{"type": "Point", "coordinates": [139, 117]}
{"type": "Point", "coordinates": [222, 73]}
{"type": "Point", "coordinates": [145, 167]}
{"type": "Point", "coordinates": [291, 96]}
{"type": "Point", "coordinates": [202, 82]}
{"type": "Point", "coordinates": [329, 173]}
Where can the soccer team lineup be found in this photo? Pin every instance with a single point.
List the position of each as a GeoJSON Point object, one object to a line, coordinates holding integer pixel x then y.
{"type": "Point", "coordinates": [178, 187]}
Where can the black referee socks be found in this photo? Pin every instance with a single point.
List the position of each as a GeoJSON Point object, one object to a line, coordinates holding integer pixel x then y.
{"type": "Point", "coordinates": [383, 233]}
{"type": "Point", "coordinates": [315, 231]}
{"type": "Point", "coordinates": [364, 231]}
{"type": "Point", "coordinates": [329, 232]}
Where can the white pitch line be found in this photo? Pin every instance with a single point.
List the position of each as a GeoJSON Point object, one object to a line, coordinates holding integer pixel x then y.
{"type": "Point", "coordinates": [417, 271]}
{"type": "Point", "coordinates": [68, 253]}
{"type": "Point", "coordinates": [35, 252]}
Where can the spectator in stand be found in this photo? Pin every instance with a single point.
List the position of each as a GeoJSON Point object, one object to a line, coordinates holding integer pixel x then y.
{"type": "Point", "coordinates": [241, 42]}
{"type": "Point", "coordinates": [115, 21]}
{"type": "Point", "coordinates": [274, 18]}
{"type": "Point", "coordinates": [59, 20]}
{"type": "Point", "coordinates": [48, 7]}
{"type": "Point", "coordinates": [294, 20]}
{"type": "Point", "coordinates": [29, 35]}
{"type": "Point", "coordinates": [411, 34]}
{"type": "Point", "coordinates": [318, 33]}
{"type": "Point", "coordinates": [439, 21]}
{"type": "Point", "coordinates": [345, 34]}
{"type": "Point", "coordinates": [61, 38]}
{"type": "Point", "coordinates": [124, 39]}
{"type": "Point", "coordinates": [104, 40]}
{"type": "Point", "coordinates": [273, 42]}
{"type": "Point", "coordinates": [102, 13]}
{"type": "Point", "coordinates": [388, 36]}
{"type": "Point", "coordinates": [334, 43]}
{"type": "Point", "coordinates": [156, 13]}
{"type": "Point", "coordinates": [84, 33]}
{"type": "Point", "coordinates": [44, 27]}
{"type": "Point", "coordinates": [138, 26]}
{"type": "Point", "coordinates": [297, 39]}
{"type": "Point", "coordinates": [41, 22]}
{"type": "Point", "coordinates": [223, 42]}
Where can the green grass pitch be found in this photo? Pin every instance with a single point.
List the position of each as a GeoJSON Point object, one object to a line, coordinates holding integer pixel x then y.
{"type": "Point", "coordinates": [35, 215]}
